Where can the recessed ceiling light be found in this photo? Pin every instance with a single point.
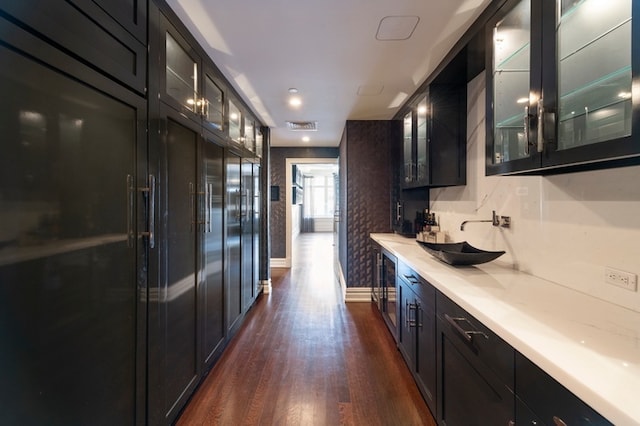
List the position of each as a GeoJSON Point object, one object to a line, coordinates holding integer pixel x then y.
{"type": "Point", "coordinates": [295, 101]}
{"type": "Point", "coordinates": [293, 90]}
{"type": "Point", "coordinates": [306, 139]}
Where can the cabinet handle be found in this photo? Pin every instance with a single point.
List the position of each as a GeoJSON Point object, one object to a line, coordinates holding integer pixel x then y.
{"type": "Point", "coordinates": [558, 421]}
{"type": "Point", "coordinates": [209, 197]}
{"type": "Point", "coordinates": [467, 334]}
{"type": "Point", "coordinates": [411, 307]}
{"type": "Point", "coordinates": [151, 198]}
{"type": "Point", "coordinates": [540, 136]}
{"type": "Point", "coordinates": [130, 210]}
{"type": "Point", "coordinates": [411, 279]}
{"type": "Point", "coordinates": [398, 211]}
{"type": "Point", "coordinates": [527, 121]}
{"type": "Point", "coordinates": [192, 195]}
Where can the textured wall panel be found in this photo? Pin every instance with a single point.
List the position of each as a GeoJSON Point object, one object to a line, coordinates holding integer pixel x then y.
{"type": "Point", "coordinates": [369, 180]}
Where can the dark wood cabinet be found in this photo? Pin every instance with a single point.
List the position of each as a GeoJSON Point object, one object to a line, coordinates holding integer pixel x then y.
{"type": "Point", "coordinates": [559, 87]}
{"type": "Point", "coordinates": [384, 290]}
{"type": "Point", "coordinates": [434, 131]}
{"type": "Point", "coordinates": [417, 330]}
{"type": "Point", "coordinates": [543, 400]}
{"type": "Point", "coordinates": [475, 370]}
{"type": "Point", "coordinates": [72, 250]}
{"type": "Point", "coordinates": [89, 34]}
{"type": "Point", "coordinates": [211, 230]}
{"type": "Point", "coordinates": [233, 251]}
{"type": "Point", "coordinates": [173, 296]}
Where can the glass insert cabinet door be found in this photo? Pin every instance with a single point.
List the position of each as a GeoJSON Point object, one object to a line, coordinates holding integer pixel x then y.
{"type": "Point", "coordinates": [511, 83]}
{"type": "Point", "coordinates": [407, 148]}
{"type": "Point", "coordinates": [594, 71]}
{"type": "Point", "coordinates": [181, 75]}
{"type": "Point", "coordinates": [422, 141]}
{"type": "Point", "coordinates": [559, 79]}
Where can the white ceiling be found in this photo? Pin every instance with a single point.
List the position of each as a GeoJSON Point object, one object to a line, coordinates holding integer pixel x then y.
{"type": "Point", "coordinates": [329, 51]}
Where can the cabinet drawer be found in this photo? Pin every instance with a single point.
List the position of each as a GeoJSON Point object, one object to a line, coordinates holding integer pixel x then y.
{"type": "Point", "coordinates": [548, 399]}
{"type": "Point", "coordinates": [421, 287]}
{"type": "Point", "coordinates": [496, 354]}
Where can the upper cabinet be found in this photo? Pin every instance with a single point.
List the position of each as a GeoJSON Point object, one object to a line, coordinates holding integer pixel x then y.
{"type": "Point", "coordinates": [559, 85]}
{"type": "Point", "coordinates": [109, 36]}
{"type": "Point", "coordinates": [193, 86]}
{"type": "Point", "coordinates": [434, 136]}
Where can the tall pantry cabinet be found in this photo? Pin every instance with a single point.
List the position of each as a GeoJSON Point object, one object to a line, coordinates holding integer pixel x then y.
{"type": "Point", "coordinates": [74, 191]}
{"type": "Point", "coordinates": [124, 271]}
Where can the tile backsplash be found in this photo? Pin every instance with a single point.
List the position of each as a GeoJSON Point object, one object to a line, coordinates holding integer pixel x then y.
{"type": "Point", "coordinates": [565, 228]}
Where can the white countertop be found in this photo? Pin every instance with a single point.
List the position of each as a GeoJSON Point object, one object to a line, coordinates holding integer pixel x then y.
{"type": "Point", "coordinates": [590, 346]}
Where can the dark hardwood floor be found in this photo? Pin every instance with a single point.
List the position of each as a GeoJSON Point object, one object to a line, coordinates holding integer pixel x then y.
{"type": "Point", "coordinates": [304, 357]}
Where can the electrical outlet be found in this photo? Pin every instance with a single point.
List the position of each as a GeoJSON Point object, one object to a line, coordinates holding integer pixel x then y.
{"type": "Point", "coordinates": [626, 280]}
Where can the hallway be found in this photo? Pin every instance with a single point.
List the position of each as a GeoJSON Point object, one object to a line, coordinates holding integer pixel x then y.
{"type": "Point", "coordinates": [304, 357]}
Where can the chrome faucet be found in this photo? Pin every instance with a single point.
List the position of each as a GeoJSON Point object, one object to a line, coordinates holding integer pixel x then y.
{"type": "Point", "coordinates": [495, 221]}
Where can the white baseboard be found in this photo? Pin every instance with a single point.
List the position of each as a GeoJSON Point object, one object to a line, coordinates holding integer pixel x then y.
{"type": "Point", "coordinates": [358, 294]}
{"type": "Point", "coordinates": [266, 286]}
{"type": "Point", "coordinates": [280, 263]}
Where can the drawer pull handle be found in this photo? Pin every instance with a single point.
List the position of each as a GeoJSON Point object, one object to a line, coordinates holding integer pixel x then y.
{"type": "Point", "coordinates": [467, 334]}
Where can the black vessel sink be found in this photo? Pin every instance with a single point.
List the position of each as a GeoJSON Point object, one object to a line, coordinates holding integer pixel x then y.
{"type": "Point", "coordinates": [460, 253]}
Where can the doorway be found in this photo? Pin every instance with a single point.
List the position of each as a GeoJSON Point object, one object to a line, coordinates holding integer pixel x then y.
{"type": "Point", "coordinates": [312, 199]}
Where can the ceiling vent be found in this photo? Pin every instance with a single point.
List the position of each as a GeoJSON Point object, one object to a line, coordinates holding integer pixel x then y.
{"type": "Point", "coordinates": [305, 126]}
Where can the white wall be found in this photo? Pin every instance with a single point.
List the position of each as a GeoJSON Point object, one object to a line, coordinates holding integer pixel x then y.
{"type": "Point", "coordinates": [565, 228]}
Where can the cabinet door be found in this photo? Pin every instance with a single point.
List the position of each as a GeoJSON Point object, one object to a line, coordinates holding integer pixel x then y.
{"type": "Point", "coordinates": [422, 141]}
{"type": "Point", "coordinates": [233, 252]}
{"type": "Point", "coordinates": [513, 88]}
{"type": "Point", "coordinates": [407, 323]}
{"type": "Point", "coordinates": [212, 231]}
{"type": "Point", "coordinates": [594, 106]}
{"type": "Point", "coordinates": [72, 272]}
{"type": "Point", "coordinates": [180, 81]}
{"type": "Point", "coordinates": [469, 393]}
{"type": "Point", "coordinates": [408, 165]}
{"type": "Point", "coordinates": [257, 218]}
{"type": "Point", "coordinates": [213, 98]}
{"type": "Point", "coordinates": [173, 335]}
{"type": "Point", "coordinates": [425, 366]}
{"type": "Point", "coordinates": [246, 213]}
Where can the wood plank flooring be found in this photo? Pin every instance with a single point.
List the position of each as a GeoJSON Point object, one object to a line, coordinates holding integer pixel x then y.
{"type": "Point", "coordinates": [304, 357]}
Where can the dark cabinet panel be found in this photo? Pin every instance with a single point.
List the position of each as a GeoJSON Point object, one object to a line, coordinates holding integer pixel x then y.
{"type": "Point", "coordinates": [417, 330]}
{"type": "Point", "coordinates": [212, 231]}
{"type": "Point", "coordinates": [72, 317]}
{"type": "Point", "coordinates": [233, 283]}
{"type": "Point", "coordinates": [246, 214]}
{"type": "Point", "coordinates": [107, 47]}
{"type": "Point", "coordinates": [257, 218]}
{"type": "Point", "coordinates": [475, 370]}
{"type": "Point", "coordinates": [131, 14]}
{"type": "Point", "coordinates": [174, 358]}
{"type": "Point", "coordinates": [541, 398]}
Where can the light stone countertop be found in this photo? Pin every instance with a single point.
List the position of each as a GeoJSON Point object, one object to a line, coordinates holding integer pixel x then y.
{"type": "Point", "coordinates": [590, 346]}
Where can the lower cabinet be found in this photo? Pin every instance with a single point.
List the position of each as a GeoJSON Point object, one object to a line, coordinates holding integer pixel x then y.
{"type": "Point", "coordinates": [417, 330]}
{"type": "Point", "coordinates": [542, 400]}
{"type": "Point", "coordinates": [475, 370]}
{"type": "Point", "coordinates": [466, 373]}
